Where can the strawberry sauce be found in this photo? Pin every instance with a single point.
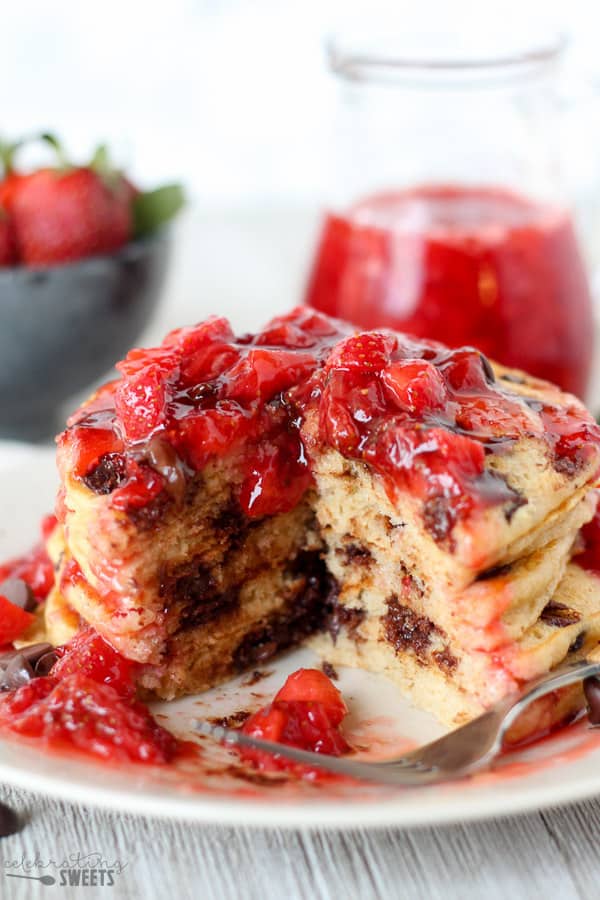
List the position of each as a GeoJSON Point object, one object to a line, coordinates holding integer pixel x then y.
{"type": "Point", "coordinates": [480, 266]}
{"type": "Point", "coordinates": [306, 713]}
{"type": "Point", "coordinates": [87, 702]}
{"type": "Point", "coordinates": [422, 416]}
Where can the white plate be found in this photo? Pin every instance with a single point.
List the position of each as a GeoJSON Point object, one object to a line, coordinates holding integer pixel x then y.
{"type": "Point", "coordinates": [562, 769]}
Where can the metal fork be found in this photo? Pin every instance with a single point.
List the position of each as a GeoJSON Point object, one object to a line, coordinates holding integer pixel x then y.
{"type": "Point", "coordinates": [467, 749]}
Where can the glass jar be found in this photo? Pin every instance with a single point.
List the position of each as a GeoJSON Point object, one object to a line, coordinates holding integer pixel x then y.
{"type": "Point", "coordinates": [448, 216]}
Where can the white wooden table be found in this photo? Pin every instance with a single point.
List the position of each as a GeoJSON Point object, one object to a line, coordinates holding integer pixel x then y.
{"type": "Point", "coordinates": [553, 854]}
{"type": "Point", "coordinates": [247, 266]}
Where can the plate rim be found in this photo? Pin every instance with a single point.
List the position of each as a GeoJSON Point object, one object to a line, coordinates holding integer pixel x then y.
{"type": "Point", "coordinates": [339, 815]}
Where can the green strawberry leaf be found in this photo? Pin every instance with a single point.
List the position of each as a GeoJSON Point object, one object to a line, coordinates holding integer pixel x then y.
{"type": "Point", "coordinates": [58, 148]}
{"type": "Point", "coordinates": [154, 208]}
{"type": "Point", "coordinates": [100, 161]}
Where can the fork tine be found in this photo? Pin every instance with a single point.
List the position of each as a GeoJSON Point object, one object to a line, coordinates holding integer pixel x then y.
{"type": "Point", "coordinates": [461, 752]}
{"type": "Point", "coordinates": [353, 768]}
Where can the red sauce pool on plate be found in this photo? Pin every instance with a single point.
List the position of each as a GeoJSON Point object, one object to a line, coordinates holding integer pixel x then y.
{"type": "Point", "coordinates": [480, 266]}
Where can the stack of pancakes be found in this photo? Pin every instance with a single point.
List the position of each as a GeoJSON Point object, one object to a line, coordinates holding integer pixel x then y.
{"type": "Point", "coordinates": [458, 612]}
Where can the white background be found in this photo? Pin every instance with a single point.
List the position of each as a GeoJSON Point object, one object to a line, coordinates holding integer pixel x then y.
{"type": "Point", "coordinates": [230, 95]}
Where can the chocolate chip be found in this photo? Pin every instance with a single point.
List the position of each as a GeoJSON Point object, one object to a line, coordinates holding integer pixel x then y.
{"type": "Point", "coordinates": [44, 663]}
{"type": "Point", "coordinates": [438, 517]}
{"type": "Point", "coordinates": [355, 553]}
{"type": "Point", "coordinates": [10, 822]}
{"type": "Point", "coordinates": [348, 618]}
{"type": "Point", "coordinates": [329, 670]}
{"type": "Point", "coordinates": [515, 379]}
{"type": "Point", "coordinates": [163, 458]}
{"type": "Point", "coordinates": [495, 572]}
{"type": "Point", "coordinates": [559, 615]}
{"type": "Point", "coordinates": [18, 592]}
{"type": "Point", "coordinates": [487, 369]}
{"type": "Point", "coordinates": [533, 403]}
{"type": "Point", "coordinates": [591, 689]}
{"type": "Point", "coordinates": [445, 660]}
{"type": "Point", "coordinates": [109, 473]}
{"type": "Point", "coordinates": [33, 652]}
{"type": "Point", "coordinates": [577, 644]}
{"type": "Point", "coordinates": [30, 654]}
{"type": "Point", "coordinates": [233, 720]}
{"type": "Point", "coordinates": [17, 673]}
{"type": "Point", "coordinates": [405, 630]}
{"type": "Point", "coordinates": [302, 614]}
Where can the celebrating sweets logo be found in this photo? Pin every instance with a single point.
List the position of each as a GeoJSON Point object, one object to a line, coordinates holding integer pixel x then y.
{"type": "Point", "coordinates": [73, 870]}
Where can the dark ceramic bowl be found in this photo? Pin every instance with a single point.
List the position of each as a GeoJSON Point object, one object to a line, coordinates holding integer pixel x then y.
{"type": "Point", "coordinates": [63, 327]}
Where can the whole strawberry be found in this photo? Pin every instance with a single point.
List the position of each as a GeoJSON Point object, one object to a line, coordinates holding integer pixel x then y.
{"type": "Point", "coordinates": [8, 250]}
{"type": "Point", "coordinates": [8, 184]}
{"type": "Point", "coordinates": [64, 215]}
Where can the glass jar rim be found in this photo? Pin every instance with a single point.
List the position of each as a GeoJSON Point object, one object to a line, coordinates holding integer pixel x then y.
{"type": "Point", "coordinates": [381, 58]}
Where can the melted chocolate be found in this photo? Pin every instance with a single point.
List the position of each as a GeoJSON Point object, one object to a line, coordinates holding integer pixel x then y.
{"type": "Point", "coordinates": [303, 615]}
{"type": "Point", "coordinates": [194, 589]}
{"type": "Point", "coordinates": [19, 593]}
{"type": "Point", "coordinates": [233, 720]}
{"type": "Point", "coordinates": [147, 517]}
{"type": "Point", "coordinates": [560, 615]}
{"type": "Point", "coordinates": [343, 617]}
{"type": "Point", "coordinates": [494, 572]}
{"type": "Point", "coordinates": [405, 630]}
{"type": "Point", "coordinates": [577, 644]}
{"type": "Point", "coordinates": [109, 473]}
{"type": "Point", "coordinates": [438, 518]}
{"type": "Point", "coordinates": [445, 660]}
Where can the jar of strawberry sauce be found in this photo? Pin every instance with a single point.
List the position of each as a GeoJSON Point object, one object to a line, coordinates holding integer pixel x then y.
{"type": "Point", "coordinates": [449, 216]}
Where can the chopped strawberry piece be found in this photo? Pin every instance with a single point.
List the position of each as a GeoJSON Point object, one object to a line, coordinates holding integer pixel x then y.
{"type": "Point", "coordinates": [163, 358]}
{"type": "Point", "coordinates": [90, 716]}
{"type": "Point", "coordinates": [87, 445]}
{"type": "Point", "coordinates": [299, 723]}
{"type": "Point", "coordinates": [204, 434]}
{"type": "Point", "coordinates": [47, 526]}
{"type": "Point", "coordinates": [140, 401]}
{"type": "Point", "coordinates": [306, 713]}
{"type": "Point", "coordinates": [415, 385]}
{"type": "Point", "coordinates": [90, 655]}
{"type": "Point", "coordinates": [143, 485]}
{"type": "Point", "coordinates": [311, 684]}
{"type": "Point", "coordinates": [206, 364]}
{"type": "Point", "coordinates": [13, 621]}
{"type": "Point", "coordinates": [264, 372]}
{"type": "Point", "coordinates": [366, 352]}
{"type": "Point", "coordinates": [277, 477]}
{"type": "Point", "coordinates": [467, 371]}
{"type": "Point", "coordinates": [194, 337]}
{"type": "Point", "coordinates": [302, 327]}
